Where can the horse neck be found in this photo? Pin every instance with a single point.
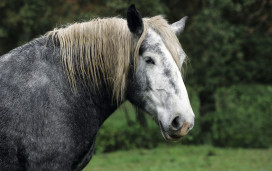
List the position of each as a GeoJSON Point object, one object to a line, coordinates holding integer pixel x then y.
{"type": "Point", "coordinates": [91, 100]}
{"type": "Point", "coordinates": [100, 102]}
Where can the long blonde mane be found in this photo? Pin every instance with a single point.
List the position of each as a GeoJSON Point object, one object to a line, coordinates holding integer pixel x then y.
{"type": "Point", "coordinates": [102, 49]}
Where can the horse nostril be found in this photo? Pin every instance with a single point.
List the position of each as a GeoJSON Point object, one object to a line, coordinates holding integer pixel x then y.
{"type": "Point", "coordinates": [175, 124]}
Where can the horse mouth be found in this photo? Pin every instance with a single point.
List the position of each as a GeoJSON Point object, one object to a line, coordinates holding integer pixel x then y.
{"type": "Point", "coordinates": [167, 136]}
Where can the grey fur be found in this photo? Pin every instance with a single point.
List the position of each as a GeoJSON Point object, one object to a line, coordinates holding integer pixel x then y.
{"type": "Point", "coordinates": [44, 125]}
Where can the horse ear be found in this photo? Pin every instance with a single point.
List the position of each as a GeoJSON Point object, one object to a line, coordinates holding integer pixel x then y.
{"type": "Point", "coordinates": [134, 20]}
{"type": "Point", "coordinates": [179, 26]}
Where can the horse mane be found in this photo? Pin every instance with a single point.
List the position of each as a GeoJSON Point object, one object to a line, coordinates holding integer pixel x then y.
{"type": "Point", "coordinates": [103, 49]}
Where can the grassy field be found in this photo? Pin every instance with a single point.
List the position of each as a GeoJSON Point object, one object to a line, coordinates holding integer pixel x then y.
{"type": "Point", "coordinates": [178, 157]}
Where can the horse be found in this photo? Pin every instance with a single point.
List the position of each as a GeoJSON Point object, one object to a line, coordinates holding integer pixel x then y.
{"type": "Point", "coordinates": [57, 90]}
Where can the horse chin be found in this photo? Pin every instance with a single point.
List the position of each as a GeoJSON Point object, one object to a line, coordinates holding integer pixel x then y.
{"type": "Point", "coordinates": [173, 137]}
{"type": "Point", "coordinates": [167, 136]}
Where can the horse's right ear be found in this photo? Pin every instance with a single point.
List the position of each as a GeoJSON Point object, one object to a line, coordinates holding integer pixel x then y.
{"type": "Point", "coordinates": [134, 20]}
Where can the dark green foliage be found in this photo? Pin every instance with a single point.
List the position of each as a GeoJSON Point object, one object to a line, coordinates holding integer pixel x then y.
{"type": "Point", "coordinates": [23, 20]}
{"type": "Point", "coordinates": [228, 43]}
{"type": "Point", "coordinates": [243, 116]}
{"type": "Point", "coordinates": [127, 137]}
{"type": "Point", "coordinates": [122, 131]}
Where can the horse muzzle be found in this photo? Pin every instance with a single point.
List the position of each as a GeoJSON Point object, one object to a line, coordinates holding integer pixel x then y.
{"type": "Point", "coordinates": [176, 129]}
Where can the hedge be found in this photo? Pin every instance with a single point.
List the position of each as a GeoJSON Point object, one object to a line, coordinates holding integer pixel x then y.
{"type": "Point", "coordinates": [243, 116]}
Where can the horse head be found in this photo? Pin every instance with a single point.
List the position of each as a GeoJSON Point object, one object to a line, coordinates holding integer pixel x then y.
{"type": "Point", "coordinates": [155, 82]}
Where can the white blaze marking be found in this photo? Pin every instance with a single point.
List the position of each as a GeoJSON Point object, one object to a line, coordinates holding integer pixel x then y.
{"type": "Point", "coordinates": [167, 102]}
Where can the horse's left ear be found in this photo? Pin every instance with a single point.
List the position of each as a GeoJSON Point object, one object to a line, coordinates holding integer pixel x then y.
{"type": "Point", "coordinates": [134, 20]}
{"type": "Point", "coordinates": [179, 26]}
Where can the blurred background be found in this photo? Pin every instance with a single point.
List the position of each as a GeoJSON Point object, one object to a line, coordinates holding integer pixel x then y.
{"type": "Point", "coordinates": [228, 76]}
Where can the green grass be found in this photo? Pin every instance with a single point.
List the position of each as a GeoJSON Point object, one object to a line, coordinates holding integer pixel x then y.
{"type": "Point", "coordinates": [177, 157]}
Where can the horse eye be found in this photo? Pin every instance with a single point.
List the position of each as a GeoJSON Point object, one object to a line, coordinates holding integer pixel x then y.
{"type": "Point", "coordinates": [149, 61]}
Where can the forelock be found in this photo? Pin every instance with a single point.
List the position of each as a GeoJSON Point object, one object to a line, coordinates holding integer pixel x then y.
{"type": "Point", "coordinates": [169, 38]}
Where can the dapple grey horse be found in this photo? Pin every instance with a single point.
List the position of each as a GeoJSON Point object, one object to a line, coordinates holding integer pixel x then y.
{"type": "Point", "coordinates": [50, 107]}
